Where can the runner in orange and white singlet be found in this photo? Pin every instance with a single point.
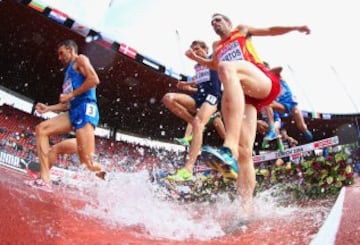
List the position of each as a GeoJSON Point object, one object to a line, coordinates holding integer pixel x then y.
{"type": "Point", "coordinates": [248, 86]}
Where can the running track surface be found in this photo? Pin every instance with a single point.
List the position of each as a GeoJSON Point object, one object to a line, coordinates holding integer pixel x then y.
{"type": "Point", "coordinates": [349, 228]}
{"type": "Point", "coordinates": [31, 216]}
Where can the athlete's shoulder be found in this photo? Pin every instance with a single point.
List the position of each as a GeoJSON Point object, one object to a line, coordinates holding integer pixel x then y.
{"type": "Point", "coordinates": [242, 29]}
{"type": "Point", "coordinates": [216, 43]}
{"type": "Point", "coordinates": [82, 58]}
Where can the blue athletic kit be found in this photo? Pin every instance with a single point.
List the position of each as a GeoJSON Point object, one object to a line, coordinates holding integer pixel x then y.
{"type": "Point", "coordinates": [286, 98]}
{"type": "Point", "coordinates": [83, 108]}
{"type": "Point", "coordinates": [208, 86]}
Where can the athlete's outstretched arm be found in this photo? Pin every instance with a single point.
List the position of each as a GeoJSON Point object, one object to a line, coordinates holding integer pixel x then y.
{"type": "Point", "coordinates": [272, 31]}
{"type": "Point", "coordinates": [43, 108]}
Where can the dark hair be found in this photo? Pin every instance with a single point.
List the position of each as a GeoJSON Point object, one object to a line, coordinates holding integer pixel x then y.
{"type": "Point", "coordinates": [201, 43]}
{"type": "Point", "coordinates": [223, 16]}
{"type": "Point", "coordinates": [68, 44]}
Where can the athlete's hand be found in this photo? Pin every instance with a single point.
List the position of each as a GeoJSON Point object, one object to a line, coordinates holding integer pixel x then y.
{"type": "Point", "coordinates": [304, 29]}
{"type": "Point", "coordinates": [190, 54]}
{"type": "Point", "coordinates": [182, 85]}
{"type": "Point", "coordinates": [262, 127]}
{"type": "Point", "coordinates": [41, 108]}
{"type": "Point", "coordinates": [65, 98]}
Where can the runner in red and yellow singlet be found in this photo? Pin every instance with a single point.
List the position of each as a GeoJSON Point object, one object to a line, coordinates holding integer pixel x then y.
{"type": "Point", "coordinates": [248, 86]}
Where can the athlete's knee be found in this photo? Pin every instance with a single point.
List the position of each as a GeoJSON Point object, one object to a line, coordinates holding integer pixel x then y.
{"type": "Point", "coordinates": [198, 124]}
{"type": "Point", "coordinates": [245, 153]}
{"type": "Point", "coordinates": [40, 129]}
{"type": "Point", "coordinates": [225, 69]}
{"type": "Point", "coordinates": [167, 98]}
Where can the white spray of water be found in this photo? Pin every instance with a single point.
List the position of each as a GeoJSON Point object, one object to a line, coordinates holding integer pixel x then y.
{"type": "Point", "coordinates": [130, 199]}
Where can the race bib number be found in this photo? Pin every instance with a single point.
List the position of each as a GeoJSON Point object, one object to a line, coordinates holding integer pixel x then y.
{"type": "Point", "coordinates": [211, 99]}
{"type": "Point", "coordinates": [231, 52]}
{"type": "Point", "coordinates": [202, 74]}
{"type": "Point", "coordinates": [90, 110]}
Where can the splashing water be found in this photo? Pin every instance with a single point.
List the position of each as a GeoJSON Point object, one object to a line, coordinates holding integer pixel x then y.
{"type": "Point", "coordinates": [130, 199]}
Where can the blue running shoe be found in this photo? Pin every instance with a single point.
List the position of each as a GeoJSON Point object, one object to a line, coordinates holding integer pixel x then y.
{"type": "Point", "coordinates": [271, 135]}
{"type": "Point", "coordinates": [308, 135]}
{"type": "Point", "coordinates": [228, 158]}
{"type": "Point", "coordinates": [224, 155]}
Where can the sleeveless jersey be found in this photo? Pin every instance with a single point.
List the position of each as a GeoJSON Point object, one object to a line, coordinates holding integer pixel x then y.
{"type": "Point", "coordinates": [73, 80]}
{"type": "Point", "coordinates": [238, 47]}
{"type": "Point", "coordinates": [207, 80]}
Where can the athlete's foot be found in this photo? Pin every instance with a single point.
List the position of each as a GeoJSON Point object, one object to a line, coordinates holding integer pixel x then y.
{"type": "Point", "coordinates": [40, 184]}
{"type": "Point", "coordinates": [101, 175]}
{"type": "Point", "coordinates": [265, 145]}
{"type": "Point", "coordinates": [271, 135]}
{"type": "Point", "coordinates": [225, 155]}
{"type": "Point", "coordinates": [308, 135]}
{"type": "Point", "coordinates": [182, 175]}
{"type": "Point", "coordinates": [184, 141]}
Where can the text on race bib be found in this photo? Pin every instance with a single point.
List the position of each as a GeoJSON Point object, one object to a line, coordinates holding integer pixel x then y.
{"type": "Point", "coordinates": [90, 110]}
{"type": "Point", "coordinates": [211, 99]}
{"type": "Point", "coordinates": [230, 52]}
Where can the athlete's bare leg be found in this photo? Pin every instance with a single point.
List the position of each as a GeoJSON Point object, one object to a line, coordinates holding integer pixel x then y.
{"type": "Point", "coordinates": [68, 146]}
{"type": "Point", "coordinates": [182, 105]}
{"type": "Point", "coordinates": [276, 106]}
{"type": "Point", "coordinates": [246, 179]}
{"type": "Point", "coordinates": [295, 113]}
{"type": "Point", "coordinates": [85, 138]}
{"type": "Point", "coordinates": [239, 78]}
{"type": "Point", "coordinates": [198, 125]}
{"type": "Point", "coordinates": [299, 119]}
{"type": "Point", "coordinates": [54, 126]}
{"type": "Point", "coordinates": [269, 115]}
{"type": "Point", "coordinates": [188, 130]}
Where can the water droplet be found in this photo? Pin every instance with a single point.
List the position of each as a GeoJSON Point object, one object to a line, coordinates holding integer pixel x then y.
{"type": "Point", "coordinates": [152, 100]}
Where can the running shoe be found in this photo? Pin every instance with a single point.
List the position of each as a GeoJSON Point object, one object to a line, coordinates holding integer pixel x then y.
{"type": "Point", "coordinates": [271, 135]}
{"type": "Point", "coordinates": [39, 184]}
{"type": "Point", "coordinates": [182, 175]}
{"type": "Point", "coordinates": [265, 145]}
{"type": "Point", "coordinates": [308, 135]}
{"type": "Point", "coordinates": [184, 141]}
{"type": "Point", "coordinates": [228, 158]}
{"type": "Point", "coordinates": [223, 161]}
